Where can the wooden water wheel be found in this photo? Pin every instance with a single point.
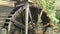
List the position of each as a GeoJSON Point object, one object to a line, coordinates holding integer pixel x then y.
{"type": "Point", "coordinates": [15, 23]}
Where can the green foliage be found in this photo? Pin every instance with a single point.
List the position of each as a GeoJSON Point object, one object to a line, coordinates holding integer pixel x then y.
{"type": "Point", "coordinates": [49, 7]}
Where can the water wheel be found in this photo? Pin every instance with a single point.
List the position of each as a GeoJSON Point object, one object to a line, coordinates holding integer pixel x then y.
{"type": "Point", "coordinates": [15, 23]}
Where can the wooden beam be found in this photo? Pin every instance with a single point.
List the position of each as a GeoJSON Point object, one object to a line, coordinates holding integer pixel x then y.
{"type": "Point", "coordinates": [9, 27]}
{"type": "Point", "coordinates": [19, 24]}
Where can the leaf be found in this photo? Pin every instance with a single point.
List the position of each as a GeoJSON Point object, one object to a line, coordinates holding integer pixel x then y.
{"type": "Point", "coordinates": [49, 7]}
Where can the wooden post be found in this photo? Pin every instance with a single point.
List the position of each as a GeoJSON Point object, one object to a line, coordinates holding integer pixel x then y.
{"type": "Point", "coordinates": [27, 11]}
{"type": "Point", "coordinates": [9, 28]}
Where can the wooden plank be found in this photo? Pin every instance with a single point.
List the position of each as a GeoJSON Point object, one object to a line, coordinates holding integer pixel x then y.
{"type": "Point", "coordinates": [6, 3]}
